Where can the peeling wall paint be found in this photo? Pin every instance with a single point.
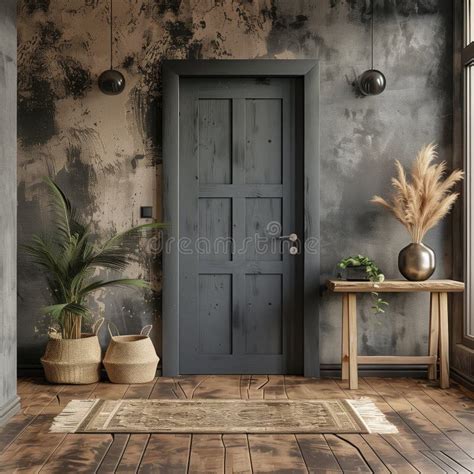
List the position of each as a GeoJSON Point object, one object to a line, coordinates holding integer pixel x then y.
{"type": "Point", "coordinates": [106, 151]}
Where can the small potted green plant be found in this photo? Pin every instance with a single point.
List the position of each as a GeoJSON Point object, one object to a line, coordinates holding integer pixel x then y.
{"type": "Point", "coordinates": [71, 259]}
{"type": "Point", "coordinates": [360, 268]}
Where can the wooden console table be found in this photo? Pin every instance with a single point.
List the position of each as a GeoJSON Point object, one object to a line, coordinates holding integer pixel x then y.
{"type": "Point", "coordinates": [438, 336]}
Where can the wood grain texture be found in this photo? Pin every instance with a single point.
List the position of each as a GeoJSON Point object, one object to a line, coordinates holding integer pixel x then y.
{"type": "Point", "coordinates": [317, 454]}
{"type": "Point", "coordinates": [111, 460]}
{"type": "Point", "coordinates": [352, 317]}
{"type": "Point", "coordinates": [166, 453]}
{"type": "Point", "coordinates": [78, 453]}
{"type": "Point", "coordinates": [411, 416]}
{"type": "Point", "coordinates": [276, 453]}
{"type": "Point", "coordinates": [433, 338]}
{"type": "Point", "coordinates": [345, 338]}
{"type": "Point", "coordinates": [396, 359]}
{"type": "Point", "coordinates": [306, 74]}
{"type": "Point", "coordinates": [366, 452]}
{"type": "Point", "coordinates": [435, 431]}
{"type": "Point", "coordinates": [347, 455]}
{"type": "Point", "coordinates": [394, 461]}
{"type": "Point", "coordinates": [133, 454]}
{"type": "Point", "coordinates": [438, 337]}
{"type": "Point", "coordinates": [34, 399]}
{"type": "Point", "coordinates": [443, 420]}
{"type": "Point", "coordinates": [394, 286]}
{"type": "Point", "coordinates": [443, 341]}
{"type": "Point", "coordinates": [23, 452]}
{"type": "Point", "coordinates": [236, 453]}
{"type": "Point", "coordinates": [126, 450]}
{"type": "Point", "coordinates": [73, 453]}
{"type": "Point", "coordinates": [240, 134]}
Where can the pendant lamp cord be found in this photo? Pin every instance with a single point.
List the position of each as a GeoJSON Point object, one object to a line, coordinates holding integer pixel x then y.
{"type": "Point", "coordinates": [372, 34]}
{"type": "Point", "coordinates": [111, 38]}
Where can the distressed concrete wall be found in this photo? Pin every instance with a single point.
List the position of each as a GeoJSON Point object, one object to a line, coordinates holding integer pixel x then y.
{"type": "Point", "coordinates": [106, 151]}
{"type": "Point", "coordinates": [8, 398]}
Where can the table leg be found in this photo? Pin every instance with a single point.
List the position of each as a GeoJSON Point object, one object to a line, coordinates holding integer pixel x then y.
{"type": "Point", "coordinates": [345, 338]}
{"type": "Point", "coordinates": [352, 310]}
{"type": "Point", "coordinates": [443, 341]}
{"type": "Point", "coordinates": [433, 334]}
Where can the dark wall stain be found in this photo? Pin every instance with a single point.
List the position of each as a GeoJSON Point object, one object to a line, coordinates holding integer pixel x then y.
{"type": "Point", "coordinates": [35, 5]}
{"type": "Point", "coordinates": [402, 7]}
{"type": "Point", "coordinates": [180, 33]}
{"type": "Point", "coordinates": [36, 114]}
{"type": "Point", "coordinates": [128, 62]}
{"type": "Point", "coordinates": [50, 34]}
{"type": "Point", "coordinates": [291, 33]}
{"type": "Point", "coordinates": [299, 22]}
{"type": "Point", "coordinates": [79, 178]}
{"type": "Point", "coordinates": [168, 5]}
{"type": "Point", "coordinates": [77, 79]}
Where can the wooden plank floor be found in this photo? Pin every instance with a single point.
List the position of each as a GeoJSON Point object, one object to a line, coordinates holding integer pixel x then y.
{"type": "Point", "coordinates": [435, 430]}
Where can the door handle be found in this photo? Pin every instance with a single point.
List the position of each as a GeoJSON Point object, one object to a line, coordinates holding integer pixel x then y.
{"type": "Point", "coordinates": [291, 237]}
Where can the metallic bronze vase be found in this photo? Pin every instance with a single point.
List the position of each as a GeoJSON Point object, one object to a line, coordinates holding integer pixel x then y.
{"type": "Point", "coordinates": [416, 262]}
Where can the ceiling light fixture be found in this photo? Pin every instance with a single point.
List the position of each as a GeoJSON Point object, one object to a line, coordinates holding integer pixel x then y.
{"type": "Point", "coordinates": [111, 82]}
{"type": "Point", "coordinates": [372, 81]}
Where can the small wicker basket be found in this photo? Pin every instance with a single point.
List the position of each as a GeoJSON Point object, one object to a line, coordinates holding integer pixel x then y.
{"type": "Point", "coordinates": [73, 361]}
{"type": "Point", "coordinates": [132, 358]}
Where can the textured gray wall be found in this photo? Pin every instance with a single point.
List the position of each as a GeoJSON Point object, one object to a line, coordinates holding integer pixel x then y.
{"type": "Point", "coordinates": [106, 151]}
{"type": "Point", "coordinates": [8, 397]}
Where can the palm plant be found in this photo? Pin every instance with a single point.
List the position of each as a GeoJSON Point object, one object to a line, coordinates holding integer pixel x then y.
{"type": "Point", "coordinates": [71, 259]}
{"type": "Point", "coordinates": [420, 203]}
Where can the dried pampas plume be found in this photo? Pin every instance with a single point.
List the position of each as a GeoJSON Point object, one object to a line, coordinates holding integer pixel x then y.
{"type": "Point", "coordinates": [421, 202]}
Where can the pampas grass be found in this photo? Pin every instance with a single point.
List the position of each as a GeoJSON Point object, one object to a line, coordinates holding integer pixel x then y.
{"type": "Point", "coordinates": [421, 202]}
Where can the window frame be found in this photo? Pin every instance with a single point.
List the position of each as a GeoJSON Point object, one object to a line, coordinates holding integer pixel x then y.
{"type": "Point", "coordinates": [467, 74]}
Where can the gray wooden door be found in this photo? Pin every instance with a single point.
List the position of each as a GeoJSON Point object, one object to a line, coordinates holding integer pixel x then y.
{"type": "Point", "coordinates": [237, 308]}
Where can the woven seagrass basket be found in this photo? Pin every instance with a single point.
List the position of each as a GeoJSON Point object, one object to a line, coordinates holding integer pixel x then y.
{"type": "Point", "coordinates": [73, 361]}
{"type": "Point", "coordinates": [132, 358]}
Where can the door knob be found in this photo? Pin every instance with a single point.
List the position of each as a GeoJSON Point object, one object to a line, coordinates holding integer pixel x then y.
{"type": "Point", "coordinates": [291, 237]}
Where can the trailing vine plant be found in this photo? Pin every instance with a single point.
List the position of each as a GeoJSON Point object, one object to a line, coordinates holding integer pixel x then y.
{"type": "Point", "coordinates": [373, 274]}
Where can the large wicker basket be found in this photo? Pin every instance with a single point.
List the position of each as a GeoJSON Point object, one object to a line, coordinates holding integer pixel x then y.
{"type": "Point", "coordinates": [73, 361]}
{"type": "Point", "coordinates": [132, 358]}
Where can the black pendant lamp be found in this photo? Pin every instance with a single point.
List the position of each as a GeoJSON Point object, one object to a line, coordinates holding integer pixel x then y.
{"type": "Point", "coordinates": [111, 82]}
{"type": "Point", "coordinates": [372, 81]}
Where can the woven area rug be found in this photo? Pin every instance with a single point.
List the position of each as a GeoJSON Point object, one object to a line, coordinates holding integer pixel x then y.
{"type": "Point", "coordinates": [221, 416]}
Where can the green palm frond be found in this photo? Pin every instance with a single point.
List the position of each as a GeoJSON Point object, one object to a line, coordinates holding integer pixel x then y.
{"type": "Point", "coordinates": [43, 253]}
{"type": "Point", "coordinates": [57, 310]}
{"type": "Point", "coordinates": [61, 209]}
{"type": "Point", "coordinates": [70, 258]}
{"type": "Point", "coordinates": [124, 238]}
{"type": "Point", "coordinates": [65, 215]}
{"type": "Point", "coordinates": [57, 289]}
{"type": "Point", "coordinates": [116, 258]}
{"type": "Point", "coordinates": [99, 284]}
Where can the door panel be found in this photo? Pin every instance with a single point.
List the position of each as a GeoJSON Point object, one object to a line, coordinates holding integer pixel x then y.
{"type": "Point", "coordinates": [264, 314]}
{"type": "Point", "coordinates": [215, 141]}
{"type": "Point", "coordinates": [260, 215]}
{"type": "Point", "coordinates": [215, 228]}
{"type": "Point", "coordinates": [263, 132]}
{"type": "Point", "coordinates": [238, 312]}
{"type": "Point", "coordinates": [215, 314]}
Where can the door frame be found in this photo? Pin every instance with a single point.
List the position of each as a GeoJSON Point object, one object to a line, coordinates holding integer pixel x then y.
{"type": "Point", "coordinates": [172, 72]}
